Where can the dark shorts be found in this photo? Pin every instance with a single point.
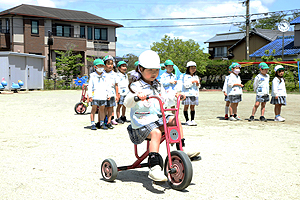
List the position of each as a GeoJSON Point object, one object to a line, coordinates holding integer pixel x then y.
{"type": "Point", "coordinates": [262, 98]}
{"type": "Point", "coordinates": [121, 101]}
{"type": "Point", "coordinates": [137, 136]}
{"type": "Point", "coordinates": [190, 100]}
{"type": "Point", "coordinates": [111, 102]}
{"type": "Point", "coordinates": [98, 103]}
{"type": "Point", "coordinates": [281, 100]}
{"type": "Point", "coordinates": [235, 98]}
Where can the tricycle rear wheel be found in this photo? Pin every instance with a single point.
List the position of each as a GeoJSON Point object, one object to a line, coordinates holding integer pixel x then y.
{"type": "Point", "coordinates": [182, 178]}
{"type": "Point", "coordinates": [109, 170]}
{"type": "Point", "coordinates": [80, 108]}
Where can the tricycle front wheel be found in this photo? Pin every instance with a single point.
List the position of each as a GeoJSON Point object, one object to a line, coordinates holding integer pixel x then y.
{"type": "Point", "coordinates": [182, 177]}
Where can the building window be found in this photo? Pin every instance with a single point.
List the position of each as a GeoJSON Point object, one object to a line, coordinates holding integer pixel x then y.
{"type": "Point", "coordinates": [82, 31]}
{"type": "Point", "coordinates": [63, 30]}
{"type": "Point", "coordinates": [7, 25]}
{"type": "Point", "coordinates": [34, 27]}
{"type": "Point", "coordinates": [100, 34]}
{"type": "Point", "coordinates": [220, 51]}
{"type": "Point", "coordinates": [90, 33]}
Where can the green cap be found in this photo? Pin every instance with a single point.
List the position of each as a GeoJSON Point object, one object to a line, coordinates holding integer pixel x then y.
{"type": "Point", "coordinates": [263, 65]}
{"type": "Point", "coordinates": [121, 63]}
{"type": "Point", "coordinates": [233, 65]}
{"type": "Point", "coordinates": [169, 62]}
{"type": "Point", "coordinates": [136, 63]}
{"type": "Point", "coordinates": [108, 57]}
{"type": "Point", "coordinates": [98, 61]}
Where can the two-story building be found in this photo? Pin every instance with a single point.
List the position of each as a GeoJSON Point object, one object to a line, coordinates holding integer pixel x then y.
{"type": "Point", "coordinates": [26, 28]}
{"type": "Point", "coordinates": [233, 45]}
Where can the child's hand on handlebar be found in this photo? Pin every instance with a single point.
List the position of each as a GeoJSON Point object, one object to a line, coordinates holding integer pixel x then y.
{"type": "Point", "coordinates": [182, 95]}
{"type": "Point", "coordinates": [142, 96]}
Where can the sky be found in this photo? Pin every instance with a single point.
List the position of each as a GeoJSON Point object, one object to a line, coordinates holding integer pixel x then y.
{"type": "Point", "coordinates": [136, 40]}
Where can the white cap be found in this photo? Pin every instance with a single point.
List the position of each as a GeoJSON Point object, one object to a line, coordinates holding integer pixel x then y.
{"type": "Point", "coordinates": [149, 59]}
{"type": "Point", "coordinates": [278, 67]}
{"type": "Point", "coordinates": [191, 63]}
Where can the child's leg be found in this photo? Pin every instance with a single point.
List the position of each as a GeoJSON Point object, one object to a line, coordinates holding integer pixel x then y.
{"type": "Point", "coordinates": [123, 110]}
{"type": "Point", "coordinates": [234, 108]}
{"type": "Point", "coordinates": [227, 107]}
{"type": "Point", "coordinates": [109, 114]}
{"type": "Point", "coordinates": [256, 105]}
{"type": "Point", "coordinates": [101, 113]}
{"type": "Point", "coordinates": [185, 112]}
{"type": "Point", "coordinates": [263, 108]}
{"type": "Point", "coordinates": [173, 112]}
{"type": "Point", "coordinates": [93, 111]}
{"type": "Point", "coordinates": [155, 136]}
{"type": "Point", "coordinates": [118, 110]}
{"type": "Point", "coordinates": [277, 109]}
{"type": "Point", "coordinates": [192, 107]}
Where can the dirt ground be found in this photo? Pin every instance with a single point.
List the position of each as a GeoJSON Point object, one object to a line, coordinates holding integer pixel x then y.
{"type": "Point", "coordinates": [46, 153]}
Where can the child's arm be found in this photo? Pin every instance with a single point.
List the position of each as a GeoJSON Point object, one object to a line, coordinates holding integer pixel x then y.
{"type": "Point", "coordinates": [117, 92]}
{"type": "Point", "coordinates": [274, 87]}
{"type": "Point", "coordinates": [255, 83]}
{"type": "Point", "coordinates": [90, 91]}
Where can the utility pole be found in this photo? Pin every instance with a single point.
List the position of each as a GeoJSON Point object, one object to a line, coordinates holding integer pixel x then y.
{"type": "Point", "coordinates": [50, 42]}
{"type": "Point", "coordinates": [247, 29]}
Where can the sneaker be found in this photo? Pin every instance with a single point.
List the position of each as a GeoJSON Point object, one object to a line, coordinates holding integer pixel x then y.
{"type": "Point", "coordinates": [193, 123]}
{"type": "Point", "coordinates": [251, 118]}
{"type": "Point", "coordinates": [123, 118]}
{"type": "Point", "coordinates": [279, 119]}
{"type": "Point", "coordinates": [262, 118]}
{"type": "Point", "coordinates": [232, 119]}
{"type": "Point", "coordinates": [104, 127]}
{"type": "Point", "coordinates": [156, 174]}
{"type": "Point", "coordinates": [189, 123]}
{"type": "Point", "coordinates": [226, 117]}
{"type": "Point", "coordinates": [238, 118]}
{"type": "Point", "coordinates": [114, 122]}
{"type": "Point", "coordinates": [98, 125]}
{"type": "Point", "coordinates": [120, 121]}
{"type": "Point", "coordinates": [93, 127]}
{"type": "Point", "coordinates": [110, 126]}
{"type": "Point", "coordinates": [191, 154]}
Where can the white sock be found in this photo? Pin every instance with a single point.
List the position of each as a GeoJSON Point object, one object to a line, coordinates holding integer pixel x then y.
{"type": "Point", "coordinates": [226, 109]}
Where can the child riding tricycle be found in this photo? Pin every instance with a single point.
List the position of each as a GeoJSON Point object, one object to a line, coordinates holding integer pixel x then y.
{"type": "Point", "coordinates": [150, 122]}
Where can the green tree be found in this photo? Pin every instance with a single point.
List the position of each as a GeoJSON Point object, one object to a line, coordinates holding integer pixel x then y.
{"type": "Point", "coordinates": [268, 22]}
{"type": "Point", "coordinates": [68, 64]}
{"type": "Point", "coordinates": [180, 52]}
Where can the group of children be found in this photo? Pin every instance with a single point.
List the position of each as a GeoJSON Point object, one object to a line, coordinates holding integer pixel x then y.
{"type": "Point", "coordinates": [232, 90]}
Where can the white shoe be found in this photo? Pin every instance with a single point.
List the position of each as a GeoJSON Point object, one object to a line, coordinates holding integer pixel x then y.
{"type": "Point", "coordinates": [193, 123]}
{"type": "Point", "coordinates": [232, 119]}
{"type": "Point", "coordinates": [279, 119]}
{"type": "Point", "coordinates": [156, 174]}
{"type": "Point", "coordinates": [238, 118]}
{"type": "Point", "coordinates": [189, 123]}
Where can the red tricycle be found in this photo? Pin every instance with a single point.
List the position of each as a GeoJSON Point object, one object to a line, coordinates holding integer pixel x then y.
{"type": "Point", "coordinates": [178, 167]}
{"type": "Point", "coordinates": [81, 107]}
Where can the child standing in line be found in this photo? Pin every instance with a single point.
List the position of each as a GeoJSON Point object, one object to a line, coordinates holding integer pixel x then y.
{"type": "Point", "coordinates": [225, 92]}
{"type": "Point", "coordinates": [146, 120]}
{"type": "Point", "coordinates": [112, 81]}
{"type": "Point", "coordinates": [98, 94]}
{"type": "Point", "coordinates": [235, 90]}
{"type": "Point", "coordinates": [123, 91]}
{"type": "Point", "coordinates": [169, 81]}
{"type": "Point", "coordinates": [261, 86]}
{"type": "Point", "coordinates": [191, 85]}
{"type": "Point", "coordinates": [278, 92]}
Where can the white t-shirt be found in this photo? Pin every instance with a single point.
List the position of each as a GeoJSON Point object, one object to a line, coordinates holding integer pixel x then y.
{"type": "Point", "coordinates": [278, 89]}
{"type": "Point", "coordinates": [261, 84]}
{"type": "Point", "coordinates": [234, 90]}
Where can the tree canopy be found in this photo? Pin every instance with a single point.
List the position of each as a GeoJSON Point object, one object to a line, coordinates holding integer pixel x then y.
{"type": "Point", "coordinates": [180, 52]}
{"type": "Point", "coordinates": [269, 22]}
